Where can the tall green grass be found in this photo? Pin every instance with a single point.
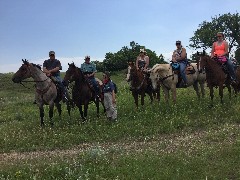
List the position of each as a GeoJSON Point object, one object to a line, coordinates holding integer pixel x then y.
{"type": "Point", "coordinates": [20, 131]}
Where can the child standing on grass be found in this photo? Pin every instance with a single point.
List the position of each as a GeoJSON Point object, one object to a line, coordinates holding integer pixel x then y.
{"type": "Point", "coordinates": [109, 97]}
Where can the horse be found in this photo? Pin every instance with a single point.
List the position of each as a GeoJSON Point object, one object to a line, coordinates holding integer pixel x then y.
{"type": "Point", "coordinates": [139, 84]}
{"type": "Point", "coordinates": [216, 77]}
{"type": "Point", "coordinates": [169, 79]}
{"type": "Point", "coordinates": [155, 93]}
{"type": "Point", "coordinates": [46, 91]}
{"type": "Point", "coordinates": [82, 92]}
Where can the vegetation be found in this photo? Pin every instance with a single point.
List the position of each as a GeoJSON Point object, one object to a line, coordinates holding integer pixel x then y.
{"type": "Point", "coordinates": [206, 34]}
{"type": "Point", "coordinates": [118, 61]}
{"type": "Point", "coordinates": [159, 141]}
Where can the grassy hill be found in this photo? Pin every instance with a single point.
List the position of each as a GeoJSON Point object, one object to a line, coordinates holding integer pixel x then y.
{"type": "Point", "coordinates": [158, 141]}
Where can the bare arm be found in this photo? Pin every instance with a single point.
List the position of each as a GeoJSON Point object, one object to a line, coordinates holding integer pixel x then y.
{"type": "Point", "coordinates": [174, 57]}
{"type": "Point", "coordinates": [213, 50]}
{"type": "Point", "coordinates": [147, 62]}
{"type": "Point", "coordinates": [137, 63]}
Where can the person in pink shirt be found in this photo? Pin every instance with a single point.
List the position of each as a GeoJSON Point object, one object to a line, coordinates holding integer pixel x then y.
{"type": "Point", "coordinates": [220, 51]}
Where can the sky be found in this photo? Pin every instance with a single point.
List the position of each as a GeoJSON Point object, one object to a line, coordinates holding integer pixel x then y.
{"type": "Point", "coordinates": [29, 29]}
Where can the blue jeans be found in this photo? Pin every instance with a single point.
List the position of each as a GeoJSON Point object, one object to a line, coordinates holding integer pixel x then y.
{"type": "Point", "coordinates": [60, 82]}
{"type": "Point", "coordinates": [95, 84]}
{"type": "Point", "coordinates": [183, 65]}
{"type": "Point", "coordinates": [230, 68]}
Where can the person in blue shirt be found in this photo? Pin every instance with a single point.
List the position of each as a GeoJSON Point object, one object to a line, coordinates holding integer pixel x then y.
{"type": "Point", "coordinates": [109, 97]}
{"type": "Point", "coordinates": [51, 68]}
{"type": "Point", "coordinates": [89, 69]}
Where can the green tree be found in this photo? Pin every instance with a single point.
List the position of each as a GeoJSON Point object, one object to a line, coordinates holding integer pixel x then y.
{"type": "Point", "coordinates": [229, 24]}
{"type": "Point", "coordinates": [118, 61]}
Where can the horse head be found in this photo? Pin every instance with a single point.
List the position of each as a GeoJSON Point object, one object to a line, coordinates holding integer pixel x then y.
{"type": "Point", "coordinates": [130, 65]}
{"type": "Point", "coordinates": [203, 60]}
{"type": "Point", "coordinates": [22, 73]}
{"type": "Point", "coordinates": [73, 73]}
{"type": "Point", "coordinates": [154, 76]}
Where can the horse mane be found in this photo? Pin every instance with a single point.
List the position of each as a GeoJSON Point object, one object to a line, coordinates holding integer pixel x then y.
{"type": "Point", "coordinates": [37, 65]}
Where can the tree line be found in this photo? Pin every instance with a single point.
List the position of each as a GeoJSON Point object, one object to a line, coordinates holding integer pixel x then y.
{"type": "Point", "coordinates": [203, 39]}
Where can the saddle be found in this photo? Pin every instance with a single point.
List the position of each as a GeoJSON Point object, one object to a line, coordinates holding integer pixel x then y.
{"type": "Point", "coordinates": [188, 70]}
{"type": "Point", "coordinates": [222, 62]}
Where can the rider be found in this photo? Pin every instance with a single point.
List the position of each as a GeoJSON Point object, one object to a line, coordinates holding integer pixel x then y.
{"type": "Point", "coordinates": [180, 56]}
{"type": "Point", "coordinates": [89, 70]}
{"type": "Point", "coordinates": [142, 61]}
{"type": "Point", "coordinates": [220, 48]}
{"type": "Point", "coordinates": [51, 68]}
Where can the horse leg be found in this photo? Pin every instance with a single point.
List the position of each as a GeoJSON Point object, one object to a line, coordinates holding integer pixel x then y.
{"type": "Point", "coordinates": [202, 89]}
{"type": "Point", "coordinates": [69, 108]}
{"type": "Point", "coordinates": [151, 95]}
{"type": "Point", "coordinates": [166, 94]}
{"type": "Point", "coordinates": [81, 112]}
{"type": "Point", "coordinates": [174, 94]}
{"type": "Point", "coordinates": [135, 96]}
{"type": "Point", "coordinates": [97, 106]}
{"type": "Point", "coordinates": [41, 110]}
{"type": "Point", "coordinates": [142, 98]}
{"type": "Point", "coordinates": [195, 86]}
{"type": "Point", "coordinates": [158, 93]}
{"type": "Point", "coordinates": [51, 106]}
{"type": "Point", "coordinates": [229, 91]}
{"type": "Point", "coordinates": [211, 94]}
{"type": "Point", "coordinates": [59, 108]}
{"type": "Point", "coordinates": [85, 110]}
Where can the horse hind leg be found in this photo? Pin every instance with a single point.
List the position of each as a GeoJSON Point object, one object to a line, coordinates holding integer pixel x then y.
{"type": "Point", "coordinates": [51, 106]}
{"type": "Point", "coordinates": [58, 105]}
{"type": "Point", "coordinates": [41, 110]}
{"type": "Point", "coordinates": [195, 86]}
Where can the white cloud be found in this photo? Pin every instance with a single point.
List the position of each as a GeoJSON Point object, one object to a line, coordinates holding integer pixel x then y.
{"type": "Point", "coordinates": [6, 68]}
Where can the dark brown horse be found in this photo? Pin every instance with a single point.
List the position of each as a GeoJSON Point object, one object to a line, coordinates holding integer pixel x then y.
{"type": "Point", "coordinates": [139, 84]}
{"type": "Point", "coordinates": [46, 90]}
{"type": "Point", "coordinates": [215, 75]}
{"type": "Point", "coordinates": [82, 92]}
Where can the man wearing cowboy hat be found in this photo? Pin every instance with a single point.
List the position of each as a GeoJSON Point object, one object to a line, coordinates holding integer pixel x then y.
{"type": "Point", "coordinates": [89, 69]}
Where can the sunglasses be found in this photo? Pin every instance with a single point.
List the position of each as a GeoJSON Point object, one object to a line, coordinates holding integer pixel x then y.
{"type": "Point", "coordinates": [178, 44]}
{"type": "Point", "coordinates": [52, 55]}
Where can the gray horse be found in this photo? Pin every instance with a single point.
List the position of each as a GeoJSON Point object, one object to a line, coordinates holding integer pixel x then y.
{"type": "Point", "coordinates": [46, 91]}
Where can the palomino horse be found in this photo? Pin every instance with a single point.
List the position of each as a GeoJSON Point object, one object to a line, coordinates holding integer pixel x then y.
{"type": "Point", "coordinates": [169, 79]}
{"type": "Point", "coordinates": [82, 93]}
{"type": "Point", "coordinates": [46, 91]}
{"type": "Point", "coordinates": [216, 77]}
{"type": "Point", "coordinates": [139, 84]}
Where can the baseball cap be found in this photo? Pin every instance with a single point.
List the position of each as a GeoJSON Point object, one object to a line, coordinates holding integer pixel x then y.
{"type": "Point", "coordinates": [51, 52]}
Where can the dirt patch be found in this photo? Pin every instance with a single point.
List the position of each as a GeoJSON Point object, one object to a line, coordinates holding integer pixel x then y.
{"type": "Point", "coordinates": [185, 142]}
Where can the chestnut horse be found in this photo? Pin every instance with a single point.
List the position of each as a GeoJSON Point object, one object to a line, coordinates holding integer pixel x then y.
{"type": "Point", "coordinates": [139, 84]}
{"type": "Point", "coordinates": [155, 93]}
{"type": "Point", "coordinates": [216, 77]}
{"type": "Point", "coordinates": [46, 90]}
{"type": "Point", "coordinates": [82, 93]}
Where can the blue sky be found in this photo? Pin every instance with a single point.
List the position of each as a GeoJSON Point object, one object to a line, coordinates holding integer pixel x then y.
{"type": "Point", "coordinates": [75, 28]}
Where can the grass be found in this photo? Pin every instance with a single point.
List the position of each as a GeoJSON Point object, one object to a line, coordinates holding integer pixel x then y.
{"type": "Point", "coordinates": [188, 140]}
